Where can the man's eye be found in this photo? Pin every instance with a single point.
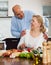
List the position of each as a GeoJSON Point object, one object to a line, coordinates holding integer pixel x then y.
{"type": "Point", "coordinates": [33, 20]}
{"type": "Point", "coordinates": [18, 14]}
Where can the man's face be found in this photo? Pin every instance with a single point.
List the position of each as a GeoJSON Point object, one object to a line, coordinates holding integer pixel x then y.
{"type": "Point", "coordinates": [18, 13]}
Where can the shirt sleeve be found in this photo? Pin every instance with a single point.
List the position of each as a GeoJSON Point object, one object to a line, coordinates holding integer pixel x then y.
{"type": "Point", "coordinates": [22, 40]}
{"type": "Point", "coordinates": [46, 23]}
{"type": "Point", "coordinates": [14, 28]}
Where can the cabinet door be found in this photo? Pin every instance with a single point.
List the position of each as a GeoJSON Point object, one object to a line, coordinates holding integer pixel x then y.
{"type": "Point", "coordinates": [3, 8]}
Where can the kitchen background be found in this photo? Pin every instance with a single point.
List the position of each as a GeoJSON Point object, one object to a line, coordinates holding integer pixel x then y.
{"type": "Point", "coordinates": [42, 7]}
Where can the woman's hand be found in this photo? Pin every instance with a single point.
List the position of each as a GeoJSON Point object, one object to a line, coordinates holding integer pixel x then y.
{"type": "Point", "coordinates": [22, 46]}
{"type": "Point", "coordinates": [30, 49]}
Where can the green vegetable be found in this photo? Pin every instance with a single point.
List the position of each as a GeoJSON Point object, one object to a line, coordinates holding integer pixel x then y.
{"type": "Point", "coordinates": [22, 55]}
{"type": "Point", "coordinates": [35, 51]}
{"type": "Point", "coordinates": [32, 55]}
{"type": "Point", "coordinates": [41, 52]}
{"type": "Point", "coordinates": [27, 55]}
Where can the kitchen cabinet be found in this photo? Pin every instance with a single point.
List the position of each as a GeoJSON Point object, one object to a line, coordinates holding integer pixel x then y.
{"type": "Point", "coordinates": [3, 8]}
{"type": "Point", "coordinates": [11, 43]}
{"type": "Point", "coordinates": [47, 11]}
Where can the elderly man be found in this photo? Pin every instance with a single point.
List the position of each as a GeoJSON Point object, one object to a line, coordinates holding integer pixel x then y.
{"type": "Point", "coordinates": [20, 21]}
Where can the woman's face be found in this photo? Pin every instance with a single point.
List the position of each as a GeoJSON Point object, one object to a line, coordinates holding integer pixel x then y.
{"type": "Point", "coordinates": [34, 23]}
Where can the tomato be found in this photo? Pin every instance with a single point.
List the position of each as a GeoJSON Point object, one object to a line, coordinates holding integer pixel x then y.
{"type": "Point", "coordinates": [19, 50]}
{"type": "Point", "coordinates": [28, 49]}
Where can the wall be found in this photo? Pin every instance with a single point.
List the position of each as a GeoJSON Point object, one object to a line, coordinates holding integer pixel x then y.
{"type": "Point", "coordinates": [5, 27]}
{"type": "Point", "coordinates": [5, 24]}
{"type": "Point", "coordinates": [46, 2]}
{"type": "Point", "coordinates": [34, 5]}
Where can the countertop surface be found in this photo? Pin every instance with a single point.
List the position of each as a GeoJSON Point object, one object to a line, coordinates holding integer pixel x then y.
{"type": "Point", "coordinates": [18, 61]}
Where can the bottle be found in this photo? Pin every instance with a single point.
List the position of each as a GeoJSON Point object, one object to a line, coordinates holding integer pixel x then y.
{"type": "Point", "coordinates": [49, 51]}
{"type": "Point", "coordinates": [45, 58]}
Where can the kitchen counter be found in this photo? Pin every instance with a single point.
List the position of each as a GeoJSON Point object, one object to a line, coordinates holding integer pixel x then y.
{"type": "Point", "coordinates": [18, 61]}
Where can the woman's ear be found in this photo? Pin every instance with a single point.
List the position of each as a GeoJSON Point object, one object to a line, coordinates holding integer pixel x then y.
{"type": "Point", "coordinates": [40, 24]}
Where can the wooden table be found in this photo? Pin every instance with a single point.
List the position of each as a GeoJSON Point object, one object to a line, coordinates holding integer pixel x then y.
{"type": "Point", "coordinates": [18, 61]}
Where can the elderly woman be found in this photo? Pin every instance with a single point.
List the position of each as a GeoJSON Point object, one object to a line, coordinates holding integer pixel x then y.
{"type": "Point", "coordinates": [33, 37]}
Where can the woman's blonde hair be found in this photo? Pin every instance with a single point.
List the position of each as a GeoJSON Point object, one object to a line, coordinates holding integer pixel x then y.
{"type": "Point", "coordinates": [40, 20]}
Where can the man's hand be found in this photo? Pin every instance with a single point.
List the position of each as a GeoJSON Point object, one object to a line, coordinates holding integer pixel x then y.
{"type": "Point", "coordinates": [23, 33]}
{"type": "Point", "coordinates": [45, 36]}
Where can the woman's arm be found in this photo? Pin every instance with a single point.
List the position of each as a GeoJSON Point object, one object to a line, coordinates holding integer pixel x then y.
{"type": "Point", "coordinates": [22, 42]}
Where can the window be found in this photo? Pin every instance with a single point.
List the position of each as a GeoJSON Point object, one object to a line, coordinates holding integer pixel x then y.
{"type": "Point", "coordinates": [47, 10]}
{"type": "Point", "coordinates": [3, 8]}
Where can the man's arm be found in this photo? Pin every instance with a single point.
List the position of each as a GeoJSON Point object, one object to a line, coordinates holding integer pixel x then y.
{"type": "Point", "coordinates": [46, 23]}
{"type": "Point", "coordinates": [45, 36]}
{"type": "Point", "coordinates": [14, 28]}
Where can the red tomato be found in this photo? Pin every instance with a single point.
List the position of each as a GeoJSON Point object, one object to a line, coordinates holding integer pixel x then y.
{"type": "Point", "coordinates": [19, 50]}
{"type": "Point", "coordinates": [28, 49]}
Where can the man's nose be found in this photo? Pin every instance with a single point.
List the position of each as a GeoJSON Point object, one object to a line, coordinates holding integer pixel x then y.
{"type": "Point", "coordinates": [31, 22]}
